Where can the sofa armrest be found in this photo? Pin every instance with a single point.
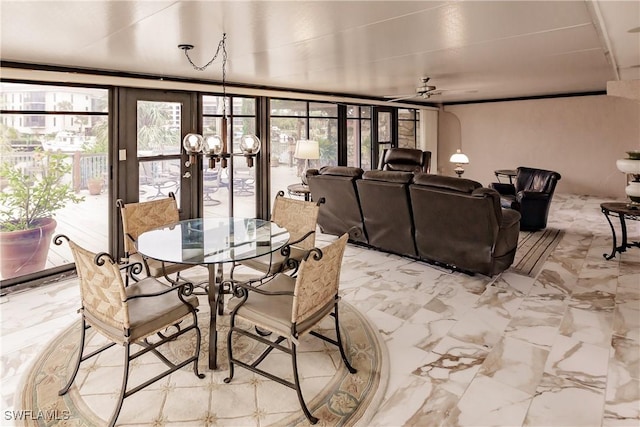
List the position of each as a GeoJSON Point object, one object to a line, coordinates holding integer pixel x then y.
{"type": "Point", "coordinates": [503, 188]}
{"type": "Point", "coordinates": [532, 195]}
{"type": "Point", "coordinates": [509, 218]}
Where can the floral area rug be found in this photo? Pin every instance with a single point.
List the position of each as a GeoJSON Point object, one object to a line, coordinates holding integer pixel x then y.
{"type": "Point", "coordinates": [333, 395]}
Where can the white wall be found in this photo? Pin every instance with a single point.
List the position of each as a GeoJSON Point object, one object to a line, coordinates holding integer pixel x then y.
{"type": "Point", "coordinates": [579, 137]}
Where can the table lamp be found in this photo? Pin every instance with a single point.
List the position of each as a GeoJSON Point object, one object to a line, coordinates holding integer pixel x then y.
{"type": "Point", "coordinates": [306, 150]}
{"type": "Point", "coordinates": [459, 159]}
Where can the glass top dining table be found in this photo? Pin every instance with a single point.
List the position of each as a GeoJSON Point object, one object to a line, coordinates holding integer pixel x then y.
{"type": "Point", "coordinates": [211, 242]}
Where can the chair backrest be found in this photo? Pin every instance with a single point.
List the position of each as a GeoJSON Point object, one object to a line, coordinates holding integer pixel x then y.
{"type": "Point", "coordinates": [102, 289]}
{"type": "Point", "coordinates": [405, 160]}
{"type": "Point", "coordinates": [299, 217]}
{"type": "Point", "coordinates": [144, 216]}
{"type": "Point", "coordinates": [540, 180]}
{"type": "Point", "coordinates": [318, 281]}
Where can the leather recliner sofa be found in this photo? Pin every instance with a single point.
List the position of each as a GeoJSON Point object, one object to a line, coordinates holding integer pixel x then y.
{"type": "Point", "coordinates": [405, 160]}
{"type": "Point", "coordinates": [448, 221]}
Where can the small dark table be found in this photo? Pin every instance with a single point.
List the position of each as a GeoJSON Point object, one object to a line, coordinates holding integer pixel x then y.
{"type": "Point", "coordinates": [509, 173]}
{"type": "Point", "coordinates": [623, 212]}
{"type": "Point", "coordinates": [299, 190]}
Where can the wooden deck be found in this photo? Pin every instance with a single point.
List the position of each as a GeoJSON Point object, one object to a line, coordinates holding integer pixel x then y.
{"type": "Point", "coordinates": [87, 222]}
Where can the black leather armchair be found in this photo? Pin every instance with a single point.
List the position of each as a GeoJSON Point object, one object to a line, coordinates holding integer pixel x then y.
{"type": "Point", "coordinates": [405, 160]}
{"type": "Point", "coordinates": [530, 195]}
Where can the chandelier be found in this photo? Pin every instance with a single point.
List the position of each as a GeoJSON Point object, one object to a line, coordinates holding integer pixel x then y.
{"type": "Point", "coordinates": [215, 146]}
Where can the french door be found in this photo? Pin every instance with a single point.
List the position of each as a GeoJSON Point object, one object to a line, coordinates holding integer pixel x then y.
{"type": "Point", "coordinates": [150, 160]}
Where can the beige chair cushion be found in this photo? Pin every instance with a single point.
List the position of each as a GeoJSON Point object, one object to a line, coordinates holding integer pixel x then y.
{"type": "Point", "coordinates": [273, 312]}
{"type": "Point", "coordinates": [147, 315]}
{"type": "Point", "coordinates": [275, 260]}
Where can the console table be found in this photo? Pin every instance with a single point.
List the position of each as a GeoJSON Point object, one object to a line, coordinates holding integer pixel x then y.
{"type": "Point", "coordinates": [623, 212]}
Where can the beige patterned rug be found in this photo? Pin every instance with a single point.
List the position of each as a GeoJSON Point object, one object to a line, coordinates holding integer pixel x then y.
{"type": "Point", "coordinates": [533, 249]}
{"type": "Point", "coordinates": [332, 394]}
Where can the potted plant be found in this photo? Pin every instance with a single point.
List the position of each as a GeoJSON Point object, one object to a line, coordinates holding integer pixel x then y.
{"type": "Point", "coordinates": [35, 192]}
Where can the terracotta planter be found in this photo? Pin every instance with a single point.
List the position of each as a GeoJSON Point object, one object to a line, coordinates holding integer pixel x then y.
{"type": "Point", "coordinates": [25, 251]}
{"type": "Point", "coordinates": [94, 186]}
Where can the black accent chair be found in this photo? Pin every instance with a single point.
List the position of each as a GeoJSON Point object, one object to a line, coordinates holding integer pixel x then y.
{"type": "Point", "coordinates": [530, 195]}
{"type": "Point", "coordinates": [405, 160]}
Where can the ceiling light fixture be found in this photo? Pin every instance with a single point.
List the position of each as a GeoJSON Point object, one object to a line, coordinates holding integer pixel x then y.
{"type": "Point", "coordinates": [215, 146]}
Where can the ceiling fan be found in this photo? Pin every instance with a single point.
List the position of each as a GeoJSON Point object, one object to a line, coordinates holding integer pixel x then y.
{"type": "Point", "coordinates": [425, 91]}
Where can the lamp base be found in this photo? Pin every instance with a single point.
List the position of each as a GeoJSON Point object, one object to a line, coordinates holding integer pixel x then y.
{"type": "Point", "coordinates": [459, 171]}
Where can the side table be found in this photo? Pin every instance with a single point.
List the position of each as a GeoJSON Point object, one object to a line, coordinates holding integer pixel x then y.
{"type": "Point", "coordinates": [509, 173]}
{"type": "Point", "coordinates": [623, 212]}
{"type": "Point", "coordinates": [299, 190]}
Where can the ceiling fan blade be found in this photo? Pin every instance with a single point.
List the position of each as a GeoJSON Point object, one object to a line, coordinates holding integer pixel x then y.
{"type": "Point", "coordinates": [400, 98]}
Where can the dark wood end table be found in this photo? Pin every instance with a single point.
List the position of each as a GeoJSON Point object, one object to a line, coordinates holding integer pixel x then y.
{"type": "Point", "coordinates": [623, 212]}
{"type": "Point", "coordinates": [509, 173]}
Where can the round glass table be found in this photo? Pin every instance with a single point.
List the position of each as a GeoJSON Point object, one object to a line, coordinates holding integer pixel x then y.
{"type": "Point", "coordinates": [211, 242]}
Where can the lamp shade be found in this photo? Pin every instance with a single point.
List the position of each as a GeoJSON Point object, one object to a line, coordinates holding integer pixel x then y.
{"type": "Point", "coordinates": [628, 166]}
{"type": "Point", "coordinates": [307, 149]}
{"type": "Point", "coordinates": [459, 158]}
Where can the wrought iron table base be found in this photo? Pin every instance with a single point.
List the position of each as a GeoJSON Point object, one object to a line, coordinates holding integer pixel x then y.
{"type": "Point", "coordinates": [622, 211]}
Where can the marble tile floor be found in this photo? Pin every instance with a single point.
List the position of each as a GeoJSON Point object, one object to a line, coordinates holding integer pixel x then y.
{"type": "Point", "coordinates": [559, 349]}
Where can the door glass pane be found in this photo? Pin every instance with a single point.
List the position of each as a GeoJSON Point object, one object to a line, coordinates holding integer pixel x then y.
{"type": "Point", "coordinates": [158, 178]}
{"type": "Point", "coordinates": [384, 127]}
{"type": "Point", "coordinates": [365, 145]}
{"type": "Point", "coordinates": [325, 132]}
{"type": "Point", "coordinates": [285, 168]}
{"type": "Point", "coordinates": [284, 107]}
{"type": "Point", "coordinates": [158, 128]}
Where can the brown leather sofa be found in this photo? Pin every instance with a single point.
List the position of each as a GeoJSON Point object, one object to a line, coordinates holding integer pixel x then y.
{"type": "Point", "coordinates": [405, 160]}
{"type": "Point", "coordinates": [448, 221]}
{"type": "Point", "coordinates": [530, 195]}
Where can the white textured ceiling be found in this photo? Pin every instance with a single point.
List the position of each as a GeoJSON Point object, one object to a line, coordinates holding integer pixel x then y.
{"type": "Point", "coordinates": [474, 49]}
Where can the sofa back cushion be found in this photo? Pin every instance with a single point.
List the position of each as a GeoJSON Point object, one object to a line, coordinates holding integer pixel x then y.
{"type": "Point", "coordinates": [540, 180]}
{"type": "Point", "coordinates": [386, 210]}
{"type": "Point", "coordinates": [340, 213]}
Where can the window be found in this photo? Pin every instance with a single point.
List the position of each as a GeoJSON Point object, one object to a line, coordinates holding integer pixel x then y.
{"type": "Point", "coordinates": [359, 136]}
{"type": "Point", "coordinates": [41, 119]}
{"type": "Point", "coordinates": [408, 125]}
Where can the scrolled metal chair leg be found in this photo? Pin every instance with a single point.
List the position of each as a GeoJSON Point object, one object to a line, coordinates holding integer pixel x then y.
{"type": "Point", "coordinates": [66, 388]}
{"type": "Point", "coordinates": [294, 362]}
{"type": "Point", "coordinates": [340, 346]}
{"type": "Point", "coordinates": [125, 378]}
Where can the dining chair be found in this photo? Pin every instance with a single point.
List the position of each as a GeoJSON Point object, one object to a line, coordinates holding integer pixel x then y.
{"type": "Point", "coordinates": [290, 307]}
{"type": "Point", "coordinates": [127, 315]}
{"type": "Point", "coordinates": [299, 218]}
{"type": "Point", "coordinates": [144, 216]}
